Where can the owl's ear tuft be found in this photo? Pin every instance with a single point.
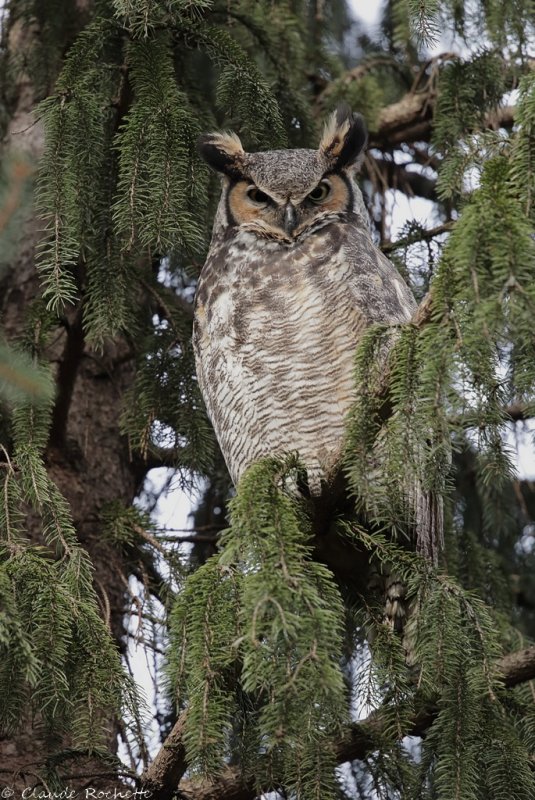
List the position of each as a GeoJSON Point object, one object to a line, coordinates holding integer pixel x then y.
{"type": "Point", "coordinates": [344, 138]}
{"type": "Point", "coordinates": [223, 152]}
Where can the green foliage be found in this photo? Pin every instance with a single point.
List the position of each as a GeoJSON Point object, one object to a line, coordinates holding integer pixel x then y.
{"type": "Point", "coordinates": [450, 382]}
{"type": "Point", "coordinates": [424, 22]}
{"type": "Point", "coordinates": [503, 23]}
{"type": "Point", "coordinates": [131, 530]}
{"type": "Point", "coordinates": [54, 642]}
{"type": "Point", "coordinates": [156, 195]}
{"type": "Point", "coordinates": [204, 625]}
{"type": "Point", "coordinates": [522, 159]}
{"type": "Point", "coordinates": [468, 90]}
{"type": "Point", "coordinates": [240, 90]}
{"type": "Point", "coordinates": [164, 409]}
{"type": "Point", "coordinates": [452, 643]}
{"type": "Point", "coordinates": [20, 379]}
{"type": "Point", "coordinates": [389, 462]}
{"type": "Point", "coordinates": [133, 181]}
{"type": "Point", "coordinates": [142, 18]}
{"type": "Point", "coordinates": [263, 610]}
{"type": "Point", "coordinates": [121, 188]}
{"type": "Point", "coordinates": [459, 371]}
{"type": "Point", "coordinates": [257, 651]}
{"type": "Point", "coordinates": [489, 262]}
{"type": "Point", "coordinates": [72, 167]}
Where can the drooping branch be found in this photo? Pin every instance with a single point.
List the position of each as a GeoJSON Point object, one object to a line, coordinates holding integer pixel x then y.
{"type": "Point", "coordinates": [163, 776]}
{"type": "Point", "coordinates": [514, 668]}
{"type": "Point", "coordinates": [515, 412]}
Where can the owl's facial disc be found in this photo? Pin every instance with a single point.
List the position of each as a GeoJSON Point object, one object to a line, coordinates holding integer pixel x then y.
{"type": "Point", "coordinates": [272, 215]}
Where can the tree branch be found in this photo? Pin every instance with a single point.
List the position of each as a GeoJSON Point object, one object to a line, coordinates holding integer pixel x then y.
{"type": "Point", "coordinates": [167, 769]}
{"type": "Point", "coordinates": [418, 236]}
{"type": "Point", "coordinates": [410, 120]}
{"type": "Point", "coordinates": [66, 378]}
{"type": "Point", "coordinates": [396, 176]}
{"type": "Point", "coordinates": [422, 315]}
{"type": "Point", "coordinates": [514, 668]}
{"type": "Point", "coordinates": [169, 766]}
{"type": "Point", "coordinates": [518, 667]}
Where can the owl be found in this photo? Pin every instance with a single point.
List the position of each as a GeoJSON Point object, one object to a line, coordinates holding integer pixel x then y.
{"type": "Point", "coordinates": [291, 282]}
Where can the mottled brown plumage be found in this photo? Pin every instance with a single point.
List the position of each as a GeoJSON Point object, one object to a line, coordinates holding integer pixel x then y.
{"type": "Point", "coordinates": [291, 281]}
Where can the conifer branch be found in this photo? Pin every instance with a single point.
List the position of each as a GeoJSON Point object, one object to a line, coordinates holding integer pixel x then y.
{"type": "Point", "coordinates": [165, 772]}
{"type": "Point", "coordinates": [168, 301]}
{"type": "Point", "coordinates": [410, 119]}
{"type": "Point", "coordinates": [194, 538]}
{"type": "Point", "coordinates": [516, 412]}
{"type": "Point", "coordinates": [160, 457]}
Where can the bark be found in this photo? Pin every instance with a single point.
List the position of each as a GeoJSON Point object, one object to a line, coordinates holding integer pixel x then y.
{"type": "Point", "coordinates": [169, 765]}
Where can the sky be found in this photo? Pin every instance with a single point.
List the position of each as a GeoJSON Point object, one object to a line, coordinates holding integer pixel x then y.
{"type": "Point", "coordinates": [368, 12]}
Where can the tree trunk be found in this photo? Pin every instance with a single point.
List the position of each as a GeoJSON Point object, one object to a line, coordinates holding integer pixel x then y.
{"type": "Point", "coordinates": [87, 456]}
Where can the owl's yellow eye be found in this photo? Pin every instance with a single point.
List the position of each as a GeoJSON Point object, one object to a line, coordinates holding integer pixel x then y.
{"type": "Point", "coordinates": [258, 197]}
{"type": "Point", "coordinates": [320, 193]}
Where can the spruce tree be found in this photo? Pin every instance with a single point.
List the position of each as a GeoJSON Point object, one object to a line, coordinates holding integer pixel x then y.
{"type": "Point", "coordinates": [269, 634]}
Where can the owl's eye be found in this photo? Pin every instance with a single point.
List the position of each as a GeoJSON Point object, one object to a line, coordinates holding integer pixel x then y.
{"type": "Point", "coordinates": [258, 197]}
{"type": "Point", "coordinates": [320, 193]}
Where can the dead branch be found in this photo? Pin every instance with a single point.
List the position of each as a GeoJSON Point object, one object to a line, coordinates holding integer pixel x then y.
{"type": "Point", "coordinates": [518, 667]}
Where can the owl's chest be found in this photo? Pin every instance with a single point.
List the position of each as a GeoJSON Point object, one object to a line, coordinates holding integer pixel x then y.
{"type": "Point", "coordinates": [276, 301]}
{"type": "Point", "coordinates": [275, 336]}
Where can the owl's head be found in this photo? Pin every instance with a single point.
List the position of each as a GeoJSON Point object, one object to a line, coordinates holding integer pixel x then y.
{"type": "Point", "coordinates": [283, 194]}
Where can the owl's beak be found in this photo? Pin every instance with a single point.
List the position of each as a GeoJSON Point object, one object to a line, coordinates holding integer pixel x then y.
{"type": "Point", "coordinates": [290, 218]}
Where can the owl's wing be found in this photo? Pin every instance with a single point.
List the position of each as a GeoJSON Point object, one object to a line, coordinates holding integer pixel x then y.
{"type": "Point", "coordinates": [380, 292]}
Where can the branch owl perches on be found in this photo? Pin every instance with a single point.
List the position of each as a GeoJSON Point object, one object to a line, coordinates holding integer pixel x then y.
{"type": "Point", "coordinates": [291, 282]}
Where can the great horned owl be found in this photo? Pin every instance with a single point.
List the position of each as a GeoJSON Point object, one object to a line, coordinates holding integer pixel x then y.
{"type": "Point", "coordinates": [291, 281]}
